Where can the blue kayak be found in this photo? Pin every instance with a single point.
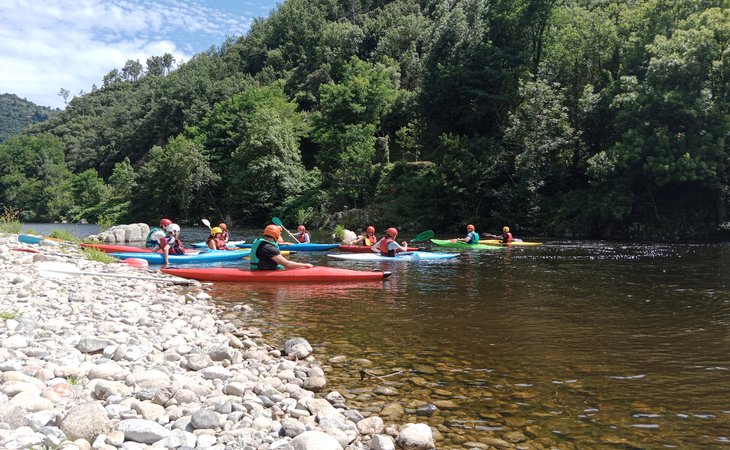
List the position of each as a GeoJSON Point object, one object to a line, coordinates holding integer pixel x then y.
{"type": "Point", "coordinates": [231, 244]}
{"type": "Point", "coordinates": [311, 247]}
{"type": "Point", "coordinates": [402, 256]}
{"type": "Point", "coordinates": [206, 257]}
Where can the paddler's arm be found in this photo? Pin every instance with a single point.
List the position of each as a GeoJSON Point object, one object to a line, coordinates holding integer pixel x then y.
{"type": "Point", "coordinates": [279, 259]}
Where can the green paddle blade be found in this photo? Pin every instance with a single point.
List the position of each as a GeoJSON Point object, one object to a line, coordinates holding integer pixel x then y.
{"type": "Point", "coordinates": [426, 235]}
{"type": "Point", "coordinates": [277, 221]}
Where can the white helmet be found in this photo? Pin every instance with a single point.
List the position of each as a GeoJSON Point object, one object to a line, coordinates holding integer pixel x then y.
{"type": "Point", "coordinates": [173, 228]}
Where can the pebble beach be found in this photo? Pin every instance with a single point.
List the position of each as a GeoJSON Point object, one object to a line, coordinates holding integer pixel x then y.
{"type": "Point", "coordinates": [103, 360]}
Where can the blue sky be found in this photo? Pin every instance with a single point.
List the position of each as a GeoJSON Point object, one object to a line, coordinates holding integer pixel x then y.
{"type": "Point", "coordinates": [46, 45]}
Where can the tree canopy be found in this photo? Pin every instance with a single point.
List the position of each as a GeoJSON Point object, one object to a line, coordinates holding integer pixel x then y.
{"type": "Point", "coordinates": [588, 117]}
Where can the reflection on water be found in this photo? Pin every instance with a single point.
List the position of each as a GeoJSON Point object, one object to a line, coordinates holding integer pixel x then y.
{"type": "Point", "coordinates": [573, 344]}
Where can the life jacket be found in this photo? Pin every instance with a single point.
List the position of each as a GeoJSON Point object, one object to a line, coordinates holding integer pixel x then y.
{"type": "Point", "coordinates": [176, 245]}
{"type": "Point", "coordinates": [473, 237]}
{"type": "Point", "coordinates": [254, 257]}
{"type": "Point", "coordinates": [152, 237]}
{"type": "Point", "coordinates": [302, 237]}
{"type": "Point", "coordinates": [370, 240]}
{"type": "Point", "coordinates": [507, 237]}
{"type": "Point", "coordinates": [384, 247]}
{"type": "Point", "coordinates": [218, 243]}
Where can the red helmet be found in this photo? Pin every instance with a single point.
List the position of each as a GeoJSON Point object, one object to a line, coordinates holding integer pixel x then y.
{"type": "Point", "coordinates": [273, 230]}
{"type": "Point", "coordinates": [222, 226]}
{"type": "Point", "coordinates": [371, 230]}
{"type": "Point", "coordinates": [301, 228]}
{"type": "Point", "coordinates": [470, 227]}
{"type": "Point", "coordinates": [165, 222]}
{"type": "Point", "coordinates": [392, 232]}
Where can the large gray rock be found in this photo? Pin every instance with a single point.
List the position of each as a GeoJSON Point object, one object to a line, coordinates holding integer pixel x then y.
{"type": "Point", "coordinates": [416, 437]}
{"type": "Point", "coordinates": [144, 431]}
{"type": "Point", "coordinates": [86, 421]}
{"type": "Point", "coordinates": [315, 440]}
{"type": "Point", "coordinates": [135, 232]}
{"type": "Point", "coordinates": [298, 348]}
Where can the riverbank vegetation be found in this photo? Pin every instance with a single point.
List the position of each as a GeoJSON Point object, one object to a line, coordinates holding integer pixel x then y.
{"type": "Point", "coordinates": [591, 117]}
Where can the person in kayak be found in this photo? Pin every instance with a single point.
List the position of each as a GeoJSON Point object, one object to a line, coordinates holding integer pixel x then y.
{"type": "Point", "coordinates": [505, 237]}
{"type": "Point", "coordinates": [224, 232]}
{"type": "Point", "coordinates": [171, 243]}
{"type": "Point", "coordinates": [472, 237]}
{"type": "Point", "coordinates": [302, 235]}
{"type": "Point", "coordinates": [215, 240]}
{"type": "Point", "coordinates": [153, 237]}
{"type": "Point", "coordinates": [387, 246]}
{"type": "Point", "coordinates": [368, 238]}
{"type": "Point", "coordinates": [265, 253]}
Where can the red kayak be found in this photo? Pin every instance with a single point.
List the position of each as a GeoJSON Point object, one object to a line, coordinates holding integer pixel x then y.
{"type": "Point", "coordinates": [317, 274]}
{"type": "Point", "coordinates": [109, 248]}
{"type": "Point", "coordinates": [366, 249]}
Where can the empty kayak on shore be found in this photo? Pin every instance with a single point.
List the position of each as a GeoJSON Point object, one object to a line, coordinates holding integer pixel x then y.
{"type": "Point", "coordinates": [403, 256]}
{"type": "Point", "coordinates": [205, 257]}
{"type": "Point", "coordinates": [313, 274]}
{"type": "Point", "coordinates": [448, 243]}
{"type": "Point", "coordinates": [366, 249]}
{"type": "Point", "coordinates": [32, 239]}
{"type": "Point", "coordinates": [498, 242]}
{"type": "Point", "coordinates": [232, 245]}
{"type": "Point", "coordinates": [311, 247]}
{"type": "Point", "coordinates": [111, 248]}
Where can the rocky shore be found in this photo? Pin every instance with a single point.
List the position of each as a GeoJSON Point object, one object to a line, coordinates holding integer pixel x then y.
{"type": "Point", "coordinates": [110, 362]}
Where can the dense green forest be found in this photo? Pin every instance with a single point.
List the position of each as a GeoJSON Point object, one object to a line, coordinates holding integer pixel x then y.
{"type": "Point", "coordinates": [600, 118]}
{"type": "Point", "coordinates": [17, 113]}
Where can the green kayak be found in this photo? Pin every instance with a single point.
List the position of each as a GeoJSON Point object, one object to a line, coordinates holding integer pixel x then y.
{"type": "Point", "coordinates": [448, 243]}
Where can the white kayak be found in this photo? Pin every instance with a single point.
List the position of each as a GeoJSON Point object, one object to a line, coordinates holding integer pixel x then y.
{"type": "Point", "coordinates": [402, 256]}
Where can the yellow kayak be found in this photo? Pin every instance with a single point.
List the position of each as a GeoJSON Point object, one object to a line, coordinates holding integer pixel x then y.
{"type": "Point", "coordinates": [498, 242]}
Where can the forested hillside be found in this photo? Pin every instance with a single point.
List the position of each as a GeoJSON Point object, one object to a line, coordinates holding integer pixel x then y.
{"type": "Point", "coordinates": [592, 117]}
{"type": "Point", "coordinates": [17, 113]}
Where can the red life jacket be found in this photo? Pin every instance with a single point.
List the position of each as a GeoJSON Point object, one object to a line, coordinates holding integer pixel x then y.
{"type": "Point", "coordinates": [219, 244]}
{"type": "Point", "coordinates": [176, 245]}
{"type": "Point", "coordinates": [507, 237]}
{"type": "Point", "coordinates": [384, 246]}
{"type": "Point", "coordinates": [301, 237]}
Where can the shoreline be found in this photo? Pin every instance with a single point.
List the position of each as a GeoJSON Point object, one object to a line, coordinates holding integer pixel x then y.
{"type": "Point", "coordinates": [109, 362]}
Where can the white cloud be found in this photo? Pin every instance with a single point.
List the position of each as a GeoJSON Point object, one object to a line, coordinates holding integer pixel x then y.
{"type": "Point", "coordinates": [46, 45]}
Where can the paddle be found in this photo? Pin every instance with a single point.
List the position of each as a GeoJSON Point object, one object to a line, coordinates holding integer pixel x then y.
{"type": "Point", "coordinates": [54, 269]}
{"type": "Point", "coordinates": [206, 222]}
{"type": "Point", "coordinates": [277, 221]}
{"type": "Point", "coordinates": [422, 237]}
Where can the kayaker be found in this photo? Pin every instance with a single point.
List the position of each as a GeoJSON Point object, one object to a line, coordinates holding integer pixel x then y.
{"type": "Point", "coordinates": [215, 240]}
{"type": "Point", "coordinates": [265, 253]}
{"type": "Point", "coordinates": [368, 238]}
{"type": "Point", "coordinates": [155, 234]}
{"type": "Point", "coordinates": [302, 235]}
{"type": "Point", "coordinates": [224, 232]}
{"type": "Point", "coordinates": [171, 243]}
{"type": "Point", "coordinates": [387, 246]}
{"type": "Point", "coordinates": [505, 237]}
{"type": "Point", "coordinates": [472, 237]}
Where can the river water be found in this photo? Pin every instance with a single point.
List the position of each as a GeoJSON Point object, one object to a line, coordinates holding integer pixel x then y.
{"type": "Point", "coordinates": [573, 344]}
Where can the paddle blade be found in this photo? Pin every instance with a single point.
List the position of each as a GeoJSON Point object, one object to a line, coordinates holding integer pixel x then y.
{"type": "Point", "coordinates": [422, 237]}
{"type": "Point", "coordinates": [206, 222]}
{"type": "Point", "coordinates": [52, 269]}
{"type": "Point", "coordinates": [277, 221]}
